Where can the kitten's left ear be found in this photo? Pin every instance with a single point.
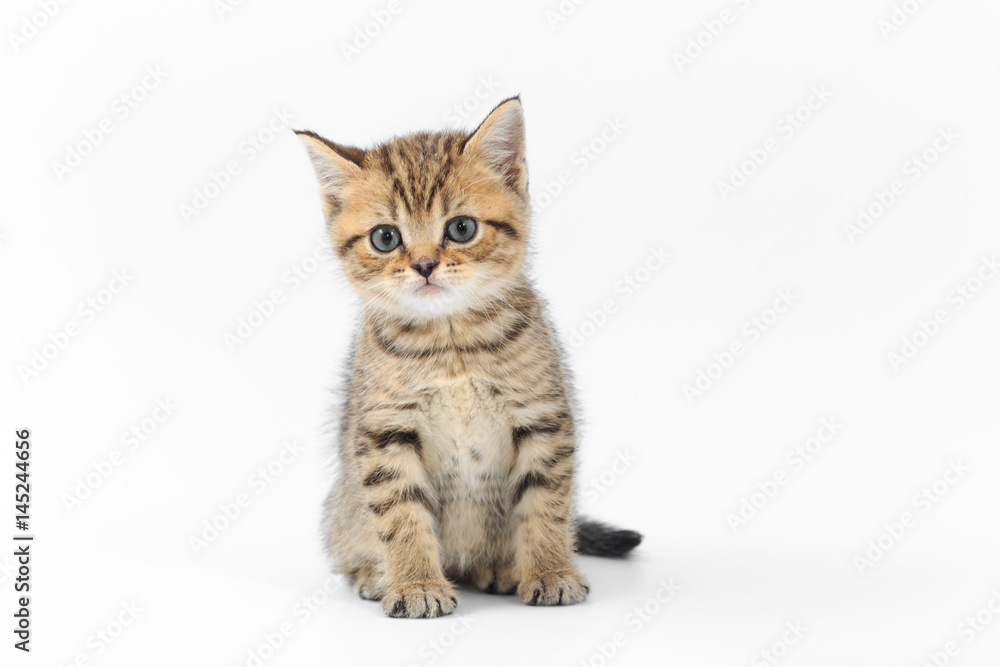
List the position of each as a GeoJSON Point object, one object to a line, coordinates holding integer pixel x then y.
{"type": "Point", "coordinates": [335, 167]}
{"type": "Point", "coordinates": [499, 142]}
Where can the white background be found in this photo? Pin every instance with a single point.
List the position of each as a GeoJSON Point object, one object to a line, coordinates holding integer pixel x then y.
{"type": "Point", "coordinates": [683, 465]}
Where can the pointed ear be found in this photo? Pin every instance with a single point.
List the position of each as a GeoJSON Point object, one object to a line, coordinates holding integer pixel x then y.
{"type": "Point", "coordinates": [499, 142]}
{"type": "Point", "coordinates": [335, 167]}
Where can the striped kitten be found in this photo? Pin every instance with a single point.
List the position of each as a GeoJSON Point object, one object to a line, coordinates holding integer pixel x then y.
{"type": "Point", "coordinates": [457, 439]}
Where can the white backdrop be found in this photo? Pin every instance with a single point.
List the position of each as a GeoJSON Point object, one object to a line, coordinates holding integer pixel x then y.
{"type": "Point", "coordinates": [768, 231]}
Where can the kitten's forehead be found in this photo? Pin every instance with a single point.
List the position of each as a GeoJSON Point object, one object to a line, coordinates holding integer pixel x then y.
{"type": "Point", "coordinates": [431, 148]}
{"type": "Point", "coordinates": [419, 172]}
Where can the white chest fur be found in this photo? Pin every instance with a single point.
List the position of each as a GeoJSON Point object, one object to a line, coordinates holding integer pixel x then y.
{"type": "Point", "coordinates": [468, 455]}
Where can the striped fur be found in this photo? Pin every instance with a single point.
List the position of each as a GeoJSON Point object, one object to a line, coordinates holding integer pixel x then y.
{"type": "Point", "coordinates": [457, 441]}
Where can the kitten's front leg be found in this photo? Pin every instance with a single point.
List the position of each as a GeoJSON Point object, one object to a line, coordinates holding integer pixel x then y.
{"type": "Point", "coordinates": [400, 505]}
{"type": "Point", "coordinates": [543, 537]}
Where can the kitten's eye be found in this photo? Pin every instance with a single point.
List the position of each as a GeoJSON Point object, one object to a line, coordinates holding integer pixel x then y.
{"type": "Point", "coordinates": [386, 238]}
{"type": "Point", "coordinates": [460, 229]}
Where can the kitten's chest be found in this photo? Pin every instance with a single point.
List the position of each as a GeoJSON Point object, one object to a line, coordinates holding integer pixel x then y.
{"type": "Point", "coordinates": [469, 441]}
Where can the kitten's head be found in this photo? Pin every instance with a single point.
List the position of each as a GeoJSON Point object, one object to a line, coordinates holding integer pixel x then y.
{"type": "Point", "coordinates": [429, 225]}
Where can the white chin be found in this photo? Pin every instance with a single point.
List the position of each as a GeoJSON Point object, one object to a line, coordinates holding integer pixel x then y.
{"type": "Point", "coordinates": [429, 301]}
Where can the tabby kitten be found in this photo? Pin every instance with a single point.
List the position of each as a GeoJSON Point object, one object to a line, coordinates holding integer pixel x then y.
{"type": "Point", "coordinates": [457, 438]}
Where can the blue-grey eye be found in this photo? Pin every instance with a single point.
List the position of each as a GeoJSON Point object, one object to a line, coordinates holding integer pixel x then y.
{"type": "Point", "coordinates": [386, 238]}
{"type": "Point", "coordinates": [460, 229]}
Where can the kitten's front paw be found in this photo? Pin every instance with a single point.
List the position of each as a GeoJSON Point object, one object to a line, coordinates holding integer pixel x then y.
{"type": "Point", "coordinates": [422, 599]}
{"type": "Point", "coordinates": [498, 578]}
{"type": "Point", "coordinates": [551, 588]}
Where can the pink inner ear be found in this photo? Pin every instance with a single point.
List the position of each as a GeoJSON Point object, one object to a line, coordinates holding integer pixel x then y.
{"type": "Point", "coordinates": [512, 172]}
{"type": "Point", "coordinates": [502, 143]}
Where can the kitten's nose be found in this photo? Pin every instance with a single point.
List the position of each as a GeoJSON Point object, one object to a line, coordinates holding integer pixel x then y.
{"type": "Point", "coordinates": [424, 266]}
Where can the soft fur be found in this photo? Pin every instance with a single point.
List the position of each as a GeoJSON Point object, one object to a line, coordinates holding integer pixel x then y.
{"type": "Point", "coordinates": [457, 440]}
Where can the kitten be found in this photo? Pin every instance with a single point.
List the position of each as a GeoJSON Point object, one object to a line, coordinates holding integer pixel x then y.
{"type": "Point", "coordinates": [457, 440]}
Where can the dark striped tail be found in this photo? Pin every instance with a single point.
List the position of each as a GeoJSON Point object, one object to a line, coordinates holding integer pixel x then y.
{"type": "Point", "coordinates": [597, 539]}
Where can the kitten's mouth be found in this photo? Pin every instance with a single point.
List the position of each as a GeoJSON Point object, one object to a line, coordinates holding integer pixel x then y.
{"type": "Point", "coordinates": [428, 289]}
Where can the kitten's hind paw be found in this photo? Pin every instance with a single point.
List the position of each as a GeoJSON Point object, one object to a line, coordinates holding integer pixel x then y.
{"type": "Point", "coordinates": [364, 581]}
{"type": "Point", "coordinates": [553, 588]}
{"type": "Point", "coordinates": [425, 599]}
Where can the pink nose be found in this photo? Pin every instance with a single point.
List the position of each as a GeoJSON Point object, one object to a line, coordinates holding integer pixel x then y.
{"type": "Point", "coordinates": [424, 266]}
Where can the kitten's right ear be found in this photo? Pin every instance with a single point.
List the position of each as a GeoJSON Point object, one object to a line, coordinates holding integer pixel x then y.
{"type": "Point", "coordinates": [335, 167]}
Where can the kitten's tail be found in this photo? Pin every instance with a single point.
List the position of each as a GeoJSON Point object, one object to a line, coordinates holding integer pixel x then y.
{"type": "Point", "coordinates": [598, 539]}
